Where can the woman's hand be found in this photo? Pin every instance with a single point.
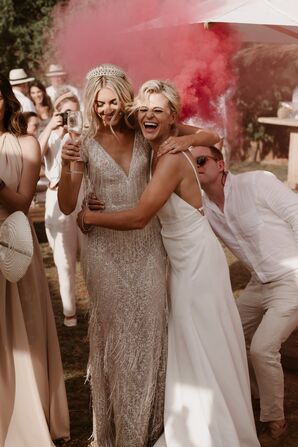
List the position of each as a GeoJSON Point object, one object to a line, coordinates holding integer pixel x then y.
{"type": "Point", "coordinates": [80, 221]}
{"type": "Point", "coordinates": [172, 145]}
{"type": "Point", "coordinates": [56, 121]}
{"type": "Point", "coordinates": [93, 203]}
{"type": "Point", "coordinates": [70, 152]}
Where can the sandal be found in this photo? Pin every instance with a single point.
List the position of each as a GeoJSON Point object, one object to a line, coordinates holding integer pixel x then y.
{"type": "Point", "coordinates": [70, 321]}
{"type": "Point", "coordinates": [274, 434]}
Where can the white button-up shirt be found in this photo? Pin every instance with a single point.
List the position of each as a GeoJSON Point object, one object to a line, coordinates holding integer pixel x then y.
{"type": "Point", "coordinates": [26, 103]}
{"type": "Point", "coordinates": [259, 223]}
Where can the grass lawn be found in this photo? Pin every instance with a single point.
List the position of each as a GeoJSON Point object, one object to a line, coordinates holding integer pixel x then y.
{"type": "Point", "coordinates": [74, 343]}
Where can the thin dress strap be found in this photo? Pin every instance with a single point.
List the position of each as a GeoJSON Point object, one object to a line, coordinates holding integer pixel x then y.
{"type": "Point", "coordinates": [196, 174]}
{"type": "Point", "coordinates": [194, 170]}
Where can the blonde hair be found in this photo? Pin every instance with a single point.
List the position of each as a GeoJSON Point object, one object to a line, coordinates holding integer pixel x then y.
{"type": "Point", "coordinates": [64, 94]}
{"type": "Point", "coordinates": [102, 77]}
{"type": "Point", "coordinates": [166, 88]}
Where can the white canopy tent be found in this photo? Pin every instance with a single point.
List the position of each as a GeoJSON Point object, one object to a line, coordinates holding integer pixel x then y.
{"type": "Point", "coordinates": [269, 21]}
{"type": "Point", "coordinates": [266, 12]}
{"type": "Point", "coordinates": [277, 19]}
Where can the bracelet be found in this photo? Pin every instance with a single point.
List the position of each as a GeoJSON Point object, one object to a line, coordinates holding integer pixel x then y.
{"type": "Point", "coordinates": [87, 228]}
{"type": "Point", "coordinates": [74, 172]}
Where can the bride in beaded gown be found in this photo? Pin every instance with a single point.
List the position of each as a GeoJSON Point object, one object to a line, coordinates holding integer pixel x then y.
{"type": "Point", "coordinates": [127, 327]}
{"type": "Point", "coordinates": [125, 274]}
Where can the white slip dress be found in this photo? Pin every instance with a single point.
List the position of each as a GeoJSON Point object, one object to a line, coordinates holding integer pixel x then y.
{"type": "Point", "coordinates": [207, 401]}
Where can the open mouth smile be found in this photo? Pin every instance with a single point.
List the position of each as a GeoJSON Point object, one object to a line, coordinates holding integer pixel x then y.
{"type": "Point", "coordinates": [149, 125]}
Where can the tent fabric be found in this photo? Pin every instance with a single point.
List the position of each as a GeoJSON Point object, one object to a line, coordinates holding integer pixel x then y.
{"type": "Point", "coordinates": [266, 12]}
{"type": "Point", "coordinates": [266, 21]}
{"type": "Point", "coordinates": [259, 12]}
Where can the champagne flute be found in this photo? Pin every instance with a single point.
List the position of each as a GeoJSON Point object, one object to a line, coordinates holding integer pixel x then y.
{"type": "Point", "coordinates": [75, 129]}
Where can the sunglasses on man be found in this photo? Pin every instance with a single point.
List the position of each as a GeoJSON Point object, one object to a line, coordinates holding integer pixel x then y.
{"type": "Point", "coordinates": [202, 159]}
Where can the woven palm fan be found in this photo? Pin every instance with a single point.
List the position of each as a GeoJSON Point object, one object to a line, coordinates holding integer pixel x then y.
{"type": "Point", "coordinates": [16, 246]}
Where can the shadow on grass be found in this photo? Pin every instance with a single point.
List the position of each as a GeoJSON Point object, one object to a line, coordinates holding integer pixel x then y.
{"type": "Point", "coordinates": [80, 410]}
{"type": "Point", "coordinates": [74, 351]}
{"type": "Point", "coordinates": [74, 348]}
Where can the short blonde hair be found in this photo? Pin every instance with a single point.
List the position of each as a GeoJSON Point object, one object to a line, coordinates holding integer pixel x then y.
{"type": "Point", "coordinates": [119, 84]}
{"type": "Point", "coordinates": [166, 88]}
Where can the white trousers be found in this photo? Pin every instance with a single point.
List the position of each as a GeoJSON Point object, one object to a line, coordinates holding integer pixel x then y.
{"type": "Point", "coordinates": [269, 314]}
{"type": "Point", "coordinates": [63, 235]}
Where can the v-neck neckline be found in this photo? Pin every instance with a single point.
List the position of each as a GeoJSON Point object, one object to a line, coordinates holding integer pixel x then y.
{"type": "Point", "coordinates": [113, 159]}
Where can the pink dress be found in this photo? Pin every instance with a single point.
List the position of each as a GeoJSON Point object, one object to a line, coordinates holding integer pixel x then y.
{"type": "Point", "coordinates": [33, 408]}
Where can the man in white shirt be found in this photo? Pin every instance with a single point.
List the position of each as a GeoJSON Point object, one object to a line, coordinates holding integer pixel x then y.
{"type": "Point", "coordinates": [20, 85]}
{"type": "Point", "coordinates": [57, 77]}
{"type": "Point", "coordinates": [256, 216]}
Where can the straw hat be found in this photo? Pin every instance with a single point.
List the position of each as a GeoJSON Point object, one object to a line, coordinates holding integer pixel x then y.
{"type": "Point", "coordinates": [19, 76]}
{"type": "Point", "coordinates": [16, 246]}
{"type": "Point", "coordinates": [55, 70]}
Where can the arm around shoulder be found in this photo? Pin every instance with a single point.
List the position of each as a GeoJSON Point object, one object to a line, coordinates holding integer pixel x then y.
{"type": "Point", "coordinates": [164, 181]}
{"type": "Point", "coordinates": [199, 136]}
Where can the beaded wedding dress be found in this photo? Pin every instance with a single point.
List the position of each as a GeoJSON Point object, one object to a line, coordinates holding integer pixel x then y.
{"type": "Point", "coordinates": [125, 273]}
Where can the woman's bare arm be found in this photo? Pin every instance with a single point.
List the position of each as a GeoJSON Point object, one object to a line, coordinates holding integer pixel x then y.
{"type": "Point", "coordinates": [55, 122]}
{"type": "Point", "coordinates": [70, 182]}
{"type": "Point", "coordinates": [188, 136]}
{"type": "Point", "coordinates": [21, 199]}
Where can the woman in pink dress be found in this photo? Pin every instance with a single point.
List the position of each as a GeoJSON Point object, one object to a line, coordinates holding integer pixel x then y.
{"type": "Point", "coordinates": [33, 409]}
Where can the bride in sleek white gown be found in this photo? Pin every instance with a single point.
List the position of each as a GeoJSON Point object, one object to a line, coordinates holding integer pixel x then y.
{"type": "Point", "coordinates": [207, 401]}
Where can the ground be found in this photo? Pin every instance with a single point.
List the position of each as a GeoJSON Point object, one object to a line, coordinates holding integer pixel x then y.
{"type": "Point", "coordinates": [74, 347]}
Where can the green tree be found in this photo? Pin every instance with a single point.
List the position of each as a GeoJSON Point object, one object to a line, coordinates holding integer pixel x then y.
{"type": "Point", "coordinates": [24, 26]}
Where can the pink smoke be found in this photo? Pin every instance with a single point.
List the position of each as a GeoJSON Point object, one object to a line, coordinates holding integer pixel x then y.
{"type": "Point", "coordinates": [127, 33]}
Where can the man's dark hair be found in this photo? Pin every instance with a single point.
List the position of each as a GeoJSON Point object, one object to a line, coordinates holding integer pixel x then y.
{"type": "Point", "coordinates": [216, 153]}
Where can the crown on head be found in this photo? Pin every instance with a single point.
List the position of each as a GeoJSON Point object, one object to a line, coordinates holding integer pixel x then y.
{"type": "Point", "coordinates": [105, 70]}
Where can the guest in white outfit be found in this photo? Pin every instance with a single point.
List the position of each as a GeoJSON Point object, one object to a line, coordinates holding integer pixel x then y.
{"type": "Point", "coordinates": [20, 86]}
{"type": "Point", "coordinates": [256, 216]}
{"type": "Point", "coordinates": [61, 230]}
{"type": "Point", "coordinates": [57, 77]}
{"type": "Point", "coordinates": [207, 401]}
